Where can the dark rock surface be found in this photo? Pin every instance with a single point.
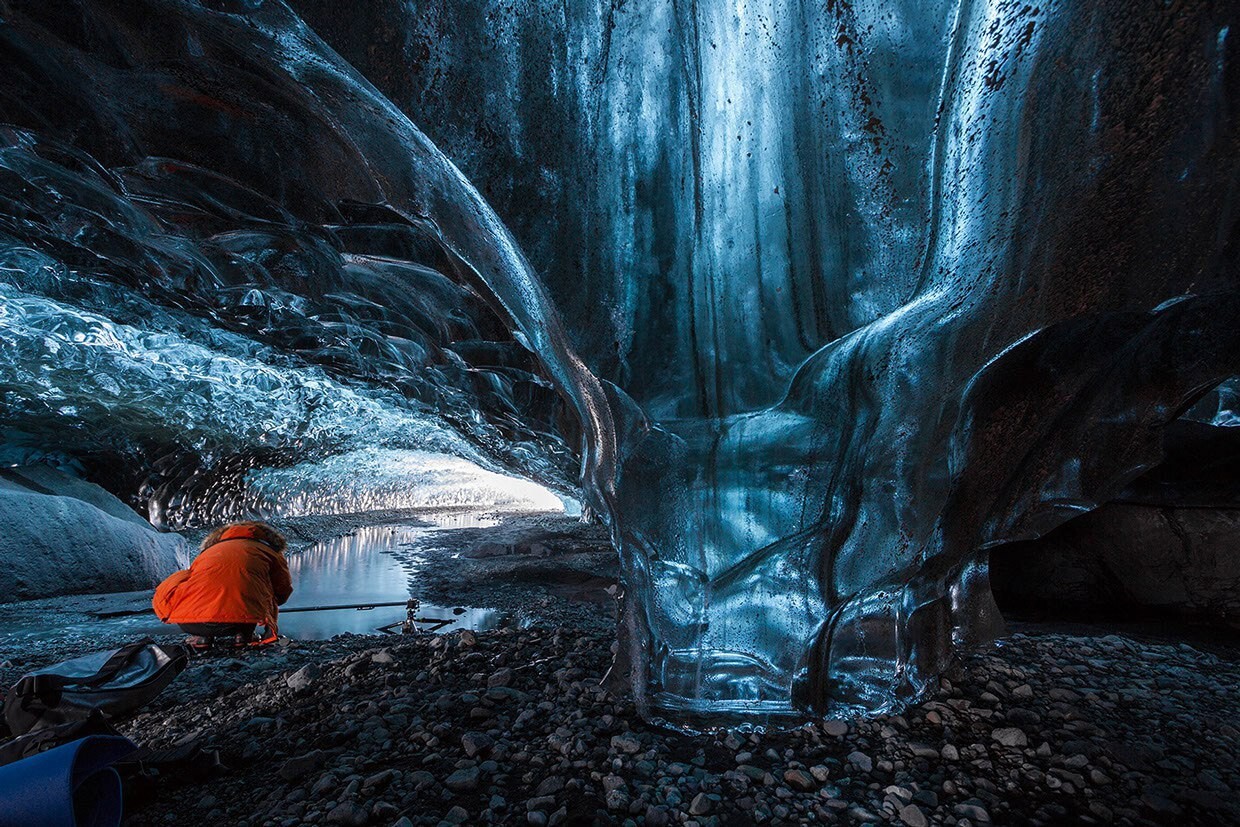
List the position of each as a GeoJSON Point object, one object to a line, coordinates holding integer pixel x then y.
{"type": "Point", "coordinates": [1186, 560]}
{"type": "Point", "coordinates": [1044, 729]}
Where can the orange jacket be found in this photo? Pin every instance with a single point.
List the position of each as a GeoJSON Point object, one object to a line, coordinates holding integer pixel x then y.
{"type": "Point", "coordinates": [237, 580]}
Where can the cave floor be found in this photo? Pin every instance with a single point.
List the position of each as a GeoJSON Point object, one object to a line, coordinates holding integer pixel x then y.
{"type": "Point", "coordinates": [1056, 724]}
{"type": "Point", "coordinates": [511, 727]}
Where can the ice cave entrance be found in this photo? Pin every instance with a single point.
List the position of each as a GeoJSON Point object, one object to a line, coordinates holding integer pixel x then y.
{"type": "Point", "coordinates": [401, 497]}
{"type": "Point", "coordinates": [380, 479]}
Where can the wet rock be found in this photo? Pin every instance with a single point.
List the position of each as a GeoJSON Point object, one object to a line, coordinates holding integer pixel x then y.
{"type": "Point", "coordinates": [574, 745]}
{"type": "Point", "coordinates": [379, 781]}
{"type": "Point", "coordinates": [617, 800]}
{"type": "Point", "coordinates": [486, 550]}
{"type": "Point", "coordinates": [357, 667]}
{"type": "Point", "coordinates": [657, 817]}
{"type": "Point", "coordinates": [862, 815]}
{"type": "Point", "coordinates": [973, 812]}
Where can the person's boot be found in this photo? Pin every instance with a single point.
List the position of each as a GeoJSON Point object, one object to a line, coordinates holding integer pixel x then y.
{"type": "Point", "coordinates": [198, 643]}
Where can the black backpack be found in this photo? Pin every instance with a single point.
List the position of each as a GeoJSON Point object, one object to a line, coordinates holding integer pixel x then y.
{"type": "Point", "coordinates": [114, 683]}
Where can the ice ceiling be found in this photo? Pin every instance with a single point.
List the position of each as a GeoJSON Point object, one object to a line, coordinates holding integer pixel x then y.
{"type": "Point", "coordinates": [834, 295]}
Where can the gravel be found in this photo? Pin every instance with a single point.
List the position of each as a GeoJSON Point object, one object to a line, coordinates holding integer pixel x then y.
{"type": "Point", "coordinates": [1043, 729]}
{"type": "Point", "coordinates": [1056, 725]}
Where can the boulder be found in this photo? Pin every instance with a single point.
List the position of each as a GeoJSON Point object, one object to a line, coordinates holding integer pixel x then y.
{"type": "Point", "coordinates": [63, 535]}
{"type": "Point", "coordinates": [1185, 560]}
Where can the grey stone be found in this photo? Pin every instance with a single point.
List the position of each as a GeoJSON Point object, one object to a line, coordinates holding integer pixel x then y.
{"type": "Point", "coordinates": [550, 786]}
{"type": "Point", "coordinates": [303, 678]}
{"type": "Point", "coordinates": [348, 814]}
{"type": "Point", "coordinates": [626, 743]}
{"type": "Point", "coordinates": [860, 760]}
{"type": "Point", "coordinates": [302, 765]}
{"type": "Point", "coordinates": [384, 811]}
{"type": "Point", "coordinates": [912, 815]}
{"type": "Point", "coordinates": [464, 780]}
{"type": "Point", "coordinates": [500, 677]}
{"type": "Point", "coordinates": [617, 800]}
{"type": "Point", "coordinates": [379, 780]}
{"type": "Point", "coordinates": [1010, 737]}
{"type": "Point", "coordinates": [475, 743]}
{"type": "Point", "coordinates": [800, 780]}
{"type": "Point", "coordinates": [836, 729]}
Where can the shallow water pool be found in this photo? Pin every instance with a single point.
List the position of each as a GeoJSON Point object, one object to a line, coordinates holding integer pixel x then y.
{"type": "Point", "coordinates": [362, 568]}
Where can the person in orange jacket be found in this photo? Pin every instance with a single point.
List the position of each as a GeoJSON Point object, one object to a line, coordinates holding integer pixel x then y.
{"type": "Point", "coordinates": [236, 583]}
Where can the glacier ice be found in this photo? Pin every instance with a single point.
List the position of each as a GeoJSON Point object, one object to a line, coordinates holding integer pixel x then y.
{"type": "Point", "coordinates": [858, 289]}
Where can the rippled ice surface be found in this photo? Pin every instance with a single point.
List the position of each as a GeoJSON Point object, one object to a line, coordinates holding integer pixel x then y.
{"type": "Point", "coordinates": [854, 292]}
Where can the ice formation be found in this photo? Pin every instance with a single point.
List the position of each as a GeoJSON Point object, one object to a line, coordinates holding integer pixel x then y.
{"type": "Point", "coordinates": [860, 289]}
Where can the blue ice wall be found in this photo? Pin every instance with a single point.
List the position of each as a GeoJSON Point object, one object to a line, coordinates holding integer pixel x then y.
{"type": "Point", "coordinates": [837, 295]}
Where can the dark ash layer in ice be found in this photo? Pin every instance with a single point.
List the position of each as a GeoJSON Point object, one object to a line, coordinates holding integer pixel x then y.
{"type": "Point", "coordinates": [883, 284]}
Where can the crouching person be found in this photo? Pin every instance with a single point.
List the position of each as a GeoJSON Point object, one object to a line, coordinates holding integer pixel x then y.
{"type": "Point", "coordinates": [236, 583]}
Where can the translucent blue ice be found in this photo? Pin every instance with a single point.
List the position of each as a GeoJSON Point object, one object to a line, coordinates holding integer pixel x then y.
{"type": "Point", "coordinates": [837, 295]}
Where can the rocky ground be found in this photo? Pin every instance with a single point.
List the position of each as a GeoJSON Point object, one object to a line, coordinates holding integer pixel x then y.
{"type": "Point", "coordinates": [1062, 724]}
{"type": "Point", "coordinates": [532, 568]}
{"type": "Point", "coordinates": [512, 727]}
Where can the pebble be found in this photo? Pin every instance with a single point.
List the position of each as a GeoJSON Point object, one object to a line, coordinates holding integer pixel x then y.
{"type": "Point", "coordinates": [303, 678]}
{"type": "Point", "coordinates": [475, 743]}
{"type": "Point", "coordinates": [457, 815]}
{"type": "Point", "coordinates": [626, 743]}
{"type": "Point", "coordinates": [439, 726]}
{"type": "Point", "coordinates": [499, 678]}
{"type": "Point", "coordinates": [912, 815]}
{"type": "Point", "coordinates": [296, 768]}
{"type": "Point", "coordinates": [1010, 737]}
{"type": "Point", "coordinates": [800, 780]}
{"type": "Point", "coordinates": [463, 780]}
{"type": "Point", "coordinates": [836, 729]}
{"type": "Point", "coordinates": [348, 814]}
{"type": "Point", "coordinates": [861, 761]}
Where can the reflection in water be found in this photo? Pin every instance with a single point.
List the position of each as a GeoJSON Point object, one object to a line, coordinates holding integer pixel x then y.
{"type": "Point", "coordinates": [361, 568]}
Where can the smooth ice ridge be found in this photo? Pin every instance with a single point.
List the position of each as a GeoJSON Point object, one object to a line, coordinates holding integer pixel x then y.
{"type": "Point", "coordinates": [860, 290]}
